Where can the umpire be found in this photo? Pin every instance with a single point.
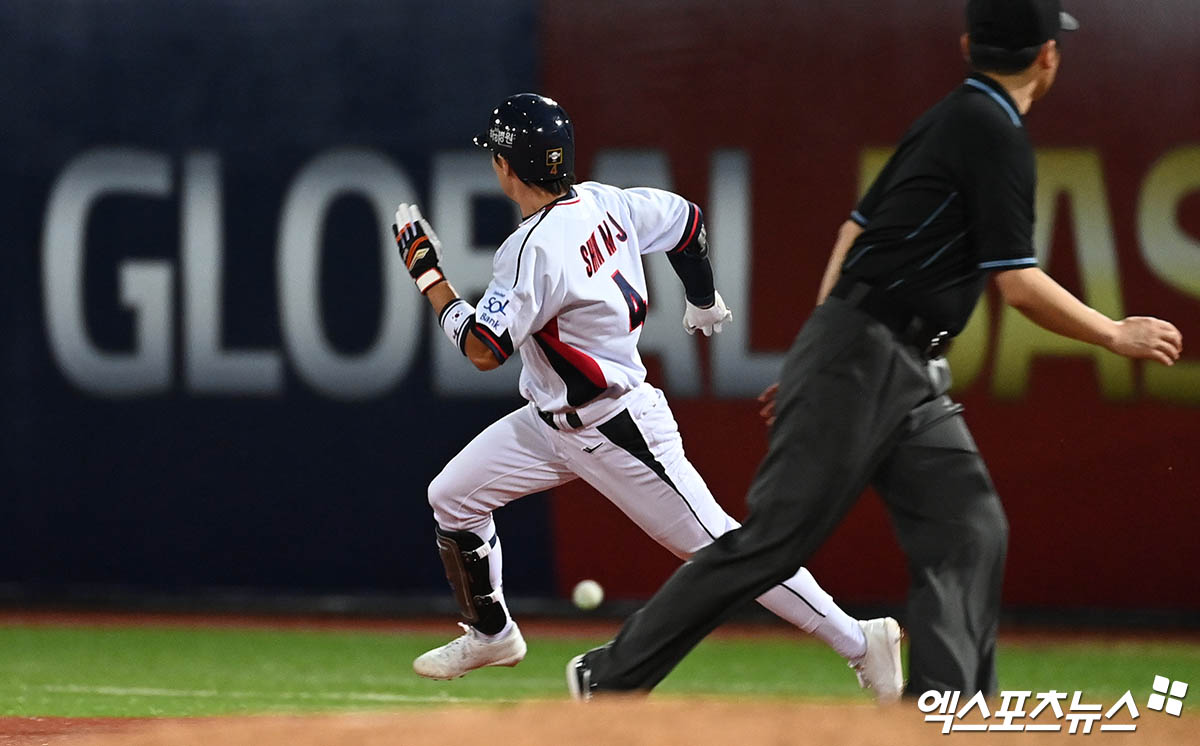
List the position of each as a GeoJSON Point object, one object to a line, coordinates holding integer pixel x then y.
{"type": "Point", "coordinates": [862, 394]}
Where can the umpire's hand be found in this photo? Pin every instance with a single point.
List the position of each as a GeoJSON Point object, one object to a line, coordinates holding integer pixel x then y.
{"type": "Point", "coordinates": [1147, 338]}
{"type": "Point", "coordinates": [767, 397]}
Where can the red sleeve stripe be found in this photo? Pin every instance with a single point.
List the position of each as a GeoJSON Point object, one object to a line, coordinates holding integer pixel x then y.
{"type": "Point", "coordinates": [690, 233]}
{"type": "Point", "coordinates": [489, 339]}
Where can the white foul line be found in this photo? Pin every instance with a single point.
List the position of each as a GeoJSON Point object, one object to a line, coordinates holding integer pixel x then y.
{"type": "Point", "coordinates": [142, 691]}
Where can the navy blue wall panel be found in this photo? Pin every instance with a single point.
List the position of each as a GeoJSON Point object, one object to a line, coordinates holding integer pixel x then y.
{"type": "Point", "coordinates": [181, 484]}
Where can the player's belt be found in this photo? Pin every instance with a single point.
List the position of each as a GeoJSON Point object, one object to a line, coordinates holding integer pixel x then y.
{"type": "Point", "coordinates": [572, 419]}
{"type": "Point", "coordinates": [880, 305]}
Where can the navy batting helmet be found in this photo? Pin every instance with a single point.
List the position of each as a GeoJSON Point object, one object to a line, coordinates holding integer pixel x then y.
{"type": "Point", "coordinates": [534, 135]}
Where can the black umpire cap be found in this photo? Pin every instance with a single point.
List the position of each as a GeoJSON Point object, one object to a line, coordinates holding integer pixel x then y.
{"type": "Point", "coordinates": [1016, 24]}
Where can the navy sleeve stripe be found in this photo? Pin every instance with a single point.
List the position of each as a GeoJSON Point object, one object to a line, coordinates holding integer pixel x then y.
{"type": "Point", "coordinates": [483, 334]}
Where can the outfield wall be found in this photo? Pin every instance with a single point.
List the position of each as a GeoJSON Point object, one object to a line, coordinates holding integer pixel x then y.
{"type": "Point", "coordinates": [216, 376]}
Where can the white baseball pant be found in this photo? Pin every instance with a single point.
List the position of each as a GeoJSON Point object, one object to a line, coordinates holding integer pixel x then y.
{"type": "Point", "coordinates": [636, 460]}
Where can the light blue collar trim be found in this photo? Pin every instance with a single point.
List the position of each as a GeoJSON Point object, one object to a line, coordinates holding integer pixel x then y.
{"type": "Point", "coordinates": [1001, 263]}
{"type": "Point", "coordinates": [1012, 113]}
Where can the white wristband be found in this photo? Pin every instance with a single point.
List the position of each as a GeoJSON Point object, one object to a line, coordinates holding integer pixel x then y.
{"type": "Point", "coordinates": [428, 279]}
{"type": "Point", "coordinates": [455, 319]}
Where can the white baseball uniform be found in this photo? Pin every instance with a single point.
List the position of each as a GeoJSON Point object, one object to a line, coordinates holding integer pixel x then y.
{"type": "Point", "coordinates": [569, 293]}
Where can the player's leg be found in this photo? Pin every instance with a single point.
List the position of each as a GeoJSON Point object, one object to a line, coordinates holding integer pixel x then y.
{"type": "Point", "coordinates": [649, 478]}
{"type": "Point", "coordinates": [951, 525]}
{"type": "Point", "coordinates": [508, 460]}
{"type": "Point", "coordinates": [828, 438]}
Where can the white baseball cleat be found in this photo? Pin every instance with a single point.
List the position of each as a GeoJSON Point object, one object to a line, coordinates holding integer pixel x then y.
{"type": "Point", "coordinates": [464, 654]}
{"type": "Point", "coordinates": [879, 668]}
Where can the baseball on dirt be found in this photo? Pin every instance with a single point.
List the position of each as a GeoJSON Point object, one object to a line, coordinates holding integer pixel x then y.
{"type": "Point", "coordinates": [587, 594]}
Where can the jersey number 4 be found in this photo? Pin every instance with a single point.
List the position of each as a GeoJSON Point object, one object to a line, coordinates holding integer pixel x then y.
{"type": "Point", "coordinates": [636, 303]}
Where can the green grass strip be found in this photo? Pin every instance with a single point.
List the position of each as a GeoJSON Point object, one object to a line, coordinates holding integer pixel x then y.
{"type": "Point", "coordinates": [185, 671]}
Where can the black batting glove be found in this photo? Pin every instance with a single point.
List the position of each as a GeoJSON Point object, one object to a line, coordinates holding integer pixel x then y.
{"type": "Point", "coordinates": [419, 247]}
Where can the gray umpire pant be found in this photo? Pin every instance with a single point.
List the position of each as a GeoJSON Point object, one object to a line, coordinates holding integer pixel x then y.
{"type": "Point", "coordinates": [855, 407]}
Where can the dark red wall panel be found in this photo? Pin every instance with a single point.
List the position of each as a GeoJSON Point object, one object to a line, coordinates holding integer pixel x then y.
{"type": "Point", "coordinates": [1101, 486]}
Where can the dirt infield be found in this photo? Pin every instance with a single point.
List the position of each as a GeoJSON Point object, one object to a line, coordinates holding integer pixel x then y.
{"type": "Point", "coordinates": [31, 731]}
{"type": "Point", "coordinates": [612, 723]}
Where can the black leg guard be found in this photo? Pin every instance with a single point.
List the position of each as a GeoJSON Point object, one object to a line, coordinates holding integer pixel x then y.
{"type": "Point", "coordinates": [465, 557]}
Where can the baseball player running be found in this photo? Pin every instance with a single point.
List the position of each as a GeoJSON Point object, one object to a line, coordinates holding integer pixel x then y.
{"type": "Point", "coordinates": [568, 293]}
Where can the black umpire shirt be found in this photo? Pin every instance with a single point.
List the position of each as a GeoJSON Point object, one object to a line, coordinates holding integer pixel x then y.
{"type": "Point", "coordinates": [953, 203]}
